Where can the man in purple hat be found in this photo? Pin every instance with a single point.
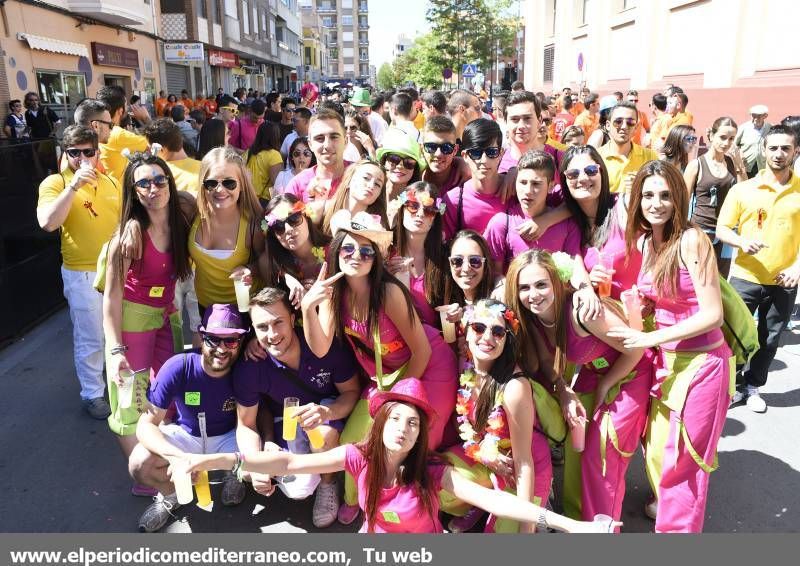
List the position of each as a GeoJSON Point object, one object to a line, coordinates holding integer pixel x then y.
{"type": "Point", "coordinates": [327, 389]}
{"type": "Point", "coordinates": [201, 386]}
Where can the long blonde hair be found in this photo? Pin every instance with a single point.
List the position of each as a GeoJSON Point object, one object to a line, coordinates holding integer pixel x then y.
{"type": "Point", "coordinates": [248, 203]}
{"type": "Point", "coordinates": [342, 198]}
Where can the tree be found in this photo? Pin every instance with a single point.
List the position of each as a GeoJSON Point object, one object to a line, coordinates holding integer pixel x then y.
{"type": "Point", "coordinates": [420, 63]}
{"type": "Point", "coordinates": [385, 78]}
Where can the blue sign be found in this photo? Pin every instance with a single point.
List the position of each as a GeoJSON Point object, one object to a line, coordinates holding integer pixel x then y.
{"type": "Point", "coordinates": [468, 71]}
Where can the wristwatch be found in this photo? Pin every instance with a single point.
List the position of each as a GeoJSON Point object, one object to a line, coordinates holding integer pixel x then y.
{"type": "Point", "coordinates": [541, 520]}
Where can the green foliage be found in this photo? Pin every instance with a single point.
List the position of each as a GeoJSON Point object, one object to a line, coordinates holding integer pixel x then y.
{"type": "Point", "coordinates": [420, 64]}
{"type": "Point", "coordinates": [385, 77]}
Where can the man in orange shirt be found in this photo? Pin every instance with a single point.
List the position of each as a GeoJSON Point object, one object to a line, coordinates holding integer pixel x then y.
{"type": "Point", "coordinates": [160, 103]}
{"type": "Point", "coordinates": [186, 100]}
{"type": "Point", "coordinates": [661, 119]}
{"type": "Point", "coordinates": [644, 124]}
{"type": "Point", "coordinates": [199, 100]}
{"type": "Point", "coordinates": [589, 119]}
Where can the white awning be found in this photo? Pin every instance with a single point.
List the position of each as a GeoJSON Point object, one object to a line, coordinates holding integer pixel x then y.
{"type": "Point", "coordinates": [54, 45]}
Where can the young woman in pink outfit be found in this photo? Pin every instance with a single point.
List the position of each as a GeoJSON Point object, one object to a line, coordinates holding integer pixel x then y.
{"type": "Point", "coordinates": [694, 375]}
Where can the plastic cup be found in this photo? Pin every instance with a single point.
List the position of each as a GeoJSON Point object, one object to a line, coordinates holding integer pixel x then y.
{"type": "Point", "coordinates": [203, 489]}
{"type": "Point", "coordinates": [290, 405]}
{"type": "Point", "coordinates": [125, 391]}
{"type": "Point", "coordinates": [633, 308]}
{"type": "Point", "coordinates": [578, 436]}
{"type": "Point", "coordinates": [242, 295]}
{"type": "Point", "coordinates": [604, 523]}
{"type": "Point", "coordinates": [606, 260]}
{"type": "Point", "coordinates": [183, 486]}
{"type": "Point", "coordinates": [448, 329]}
{"type": "Point", "coordinates": [315, 438]}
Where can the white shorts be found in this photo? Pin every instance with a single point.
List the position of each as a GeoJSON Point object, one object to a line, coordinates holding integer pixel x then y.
{"type": "Point", "coordinates": [177, 436]}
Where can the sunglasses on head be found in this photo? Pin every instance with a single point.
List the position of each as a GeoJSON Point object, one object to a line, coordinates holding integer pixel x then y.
{"type": "Point", "coordinates": [630, 122]}
{"type": "Point", "coordinates": [396, 160]}
{"type": "Point", "coordinates": [413, 208]}
{"type": "Point", "coordinates": [475, 153]}
{"type": "Point", "coordinates": [74, 152]}
{"type": "Point", "coordinates": [479, 328]}
{"type": "Point", "coordinates": [445, 148]}
{"type": "Point", "coordinates": [160, 181]}
{"type": "Point", "coordinates": [474, 261]}
{"type": "Point", "coordinates": [229, 342]}
{"type": "Point", "coordinates": [303, 152]}
{"type": "Point", "coordinates": [364, 252]}
{"type": "Point", "coordinates": [293, 220]}
{"type": "Point", "coordinates": [212, 184]}
{"type": "Point", "coordinates": [590, 170]}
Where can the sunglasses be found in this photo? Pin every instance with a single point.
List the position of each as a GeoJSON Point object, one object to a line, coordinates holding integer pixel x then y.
{"type": "Point", "coordinates": [106, 122]}
{"type": "Point", "coordinates": [160, 181]}
{"type": "Point", "coordinates": [475, 261]}
{"type": "Point", "coordinates": [351, 128]}
{"type": "Point", "coordinates": [445, 148]}
{"type": "Point", "coordinates": [630, 122]}
{"type": "Point", "coordinates": [364, 252]}
{"type": "Point", "coordinates": [234, 111]}
{"type": "Point", "coordinates": [690, 139]}
{"type": "Point", "coordinates": [230, 342]}
{"type": "Point", "coordinates": [396, 160]}
{"type": "Point", "coordinates": [87, 152]}
{"type": "Point", "coordinates": [413, 208]}
{"type": "Point", "coordinates": [212, 184]}
{"type": "Point", "coordinates": [479, 328]}
{"type": "Point", "coordinates": [293, 220]}
{"type": "Point", "coordinates": [475, 153]}
{"type": "Point", "coordinates": [303, 152]}
{"type": "Point", "coordinates": [590, 170]}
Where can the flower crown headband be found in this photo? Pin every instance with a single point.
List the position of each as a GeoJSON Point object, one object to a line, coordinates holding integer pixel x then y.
{"type": "Point", "coordinates": [281, 212]}
{"type": "Point", "coordinates": [565, 265]}
{"type": "Point", "coordinates": [482, 311]}
{"type": "Point", "coordinates": [423, 198]}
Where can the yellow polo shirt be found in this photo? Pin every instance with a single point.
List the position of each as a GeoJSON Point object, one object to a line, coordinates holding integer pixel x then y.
{"type": "Point", "coordinates": [779, 209]}
{"type": "Point", "coordinates": [92, 218]}
{"type": "Point", "coordinates": [111, 152]}
{"type": "Point", "coordinates": [187, 174]}
{"type": "Point", "coordinates": [618, 166]}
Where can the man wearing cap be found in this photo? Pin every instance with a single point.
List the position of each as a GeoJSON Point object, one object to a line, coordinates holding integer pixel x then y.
{"type": "Point", "coordinates": [284, 366]}
{"type": "Point", "coordinates": [200, 385]}
{"type": "Point", "coordinates": [362, 102]}
{"type": "Point", "coordinates": [748, 139]}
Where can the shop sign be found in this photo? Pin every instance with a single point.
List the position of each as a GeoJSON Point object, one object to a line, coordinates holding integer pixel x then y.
{"type": "Point", "coordinates": [183, 52]}
{"type": "Point", "coordinates": [222, 58]}
{"type": "Point", "coordinates": [113, 56]}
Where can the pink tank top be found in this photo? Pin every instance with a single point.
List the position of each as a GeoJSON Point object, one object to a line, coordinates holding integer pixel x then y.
{"type": "Point", "coordinates": [426, 311]}
{"type": "Point", "coordinates": [626, 265]}
{"type": "Point", "coordinates": [151, 280]}
{"type": "Point", "coordinates": [673, 309]}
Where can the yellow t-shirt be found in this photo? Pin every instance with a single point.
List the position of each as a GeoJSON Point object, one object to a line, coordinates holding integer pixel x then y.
{"type": "Point", "coordinates": [92, 219]}
{"type": "Point", "coordinates": [419, 121]}
{"type": "Point", "coordinates": [558, 145]}
{"type": "Point", "coordinates": [766, 212]}
{"type": "Point", "coordinates": [187, 174]}
{"type": "Point", "coordinates": [259, 166]}
{"type": "Point", "coordinates": [619, 166]}
{"type": "Point", "coordinates": [111, 152]}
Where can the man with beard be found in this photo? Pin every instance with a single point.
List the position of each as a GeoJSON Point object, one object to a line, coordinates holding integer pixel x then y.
{"type": "Point", "coordinates": [327, 389]}
{"type": "Point", "coordinates": [622, 157]}
{"type": "Point", "coordinates": [200, 385]}
{"type": "Point", "coordinates": [766, 210]}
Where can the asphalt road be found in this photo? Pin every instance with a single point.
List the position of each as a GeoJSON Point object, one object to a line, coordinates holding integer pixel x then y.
{"type": "Point", "coordinates": [64, 472]}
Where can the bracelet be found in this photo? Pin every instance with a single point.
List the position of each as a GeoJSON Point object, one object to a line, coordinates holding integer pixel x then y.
{"type": "Point", "coordinates": [559, 385]}
{"type": "Point", "coordinates": [541, 520]}
{"type": "Point", "coordinates": [118, 349]}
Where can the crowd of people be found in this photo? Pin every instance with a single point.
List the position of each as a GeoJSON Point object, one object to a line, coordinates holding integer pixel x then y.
{"type": "Point", "coordinates": [439, 298]}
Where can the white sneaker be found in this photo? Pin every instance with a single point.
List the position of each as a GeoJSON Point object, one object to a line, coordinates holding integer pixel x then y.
{"type": "Point", "coordinates": [754, 401]}
{"type": "Point", "coordinates": [738, 397]}
{"type": "Point", "coordinates": [326, 505]}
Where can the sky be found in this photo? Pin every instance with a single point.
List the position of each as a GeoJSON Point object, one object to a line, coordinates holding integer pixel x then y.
{"type": "Point", "coordinates": [390, 18]}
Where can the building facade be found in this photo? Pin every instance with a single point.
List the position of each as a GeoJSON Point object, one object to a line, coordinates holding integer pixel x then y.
{"type": "Point", "coordinates": [402, 44]}
{"type": "Point", "coordinates": [347, 21]}
{"type": "Point", "coordinates": [316, 40]}
{"type": "Point", "coordinates": [719, 51]}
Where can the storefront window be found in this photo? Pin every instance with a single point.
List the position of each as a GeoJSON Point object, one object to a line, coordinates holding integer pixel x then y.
{"type": "Point", "coordinates": [62, 91]}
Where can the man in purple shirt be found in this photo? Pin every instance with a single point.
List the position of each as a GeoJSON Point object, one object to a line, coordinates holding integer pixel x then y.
{"type": "Point", "coordinates": [326, 387]}
{"type": "Point", "coordinates": [200, 385]}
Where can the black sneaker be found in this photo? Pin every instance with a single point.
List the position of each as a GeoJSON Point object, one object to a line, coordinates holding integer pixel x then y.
{"type": "Point", "coordinates": [158, 513]}
{"type": "Point", "coordinates": [97, 408]}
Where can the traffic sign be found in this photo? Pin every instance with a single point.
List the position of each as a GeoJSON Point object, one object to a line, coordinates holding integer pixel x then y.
{"type": "Point", "coordinates": [468, 71]}
{"type": "Point", "coordinates": [447, 73]}
{"type": "Point", "coordinates": [580, 61]}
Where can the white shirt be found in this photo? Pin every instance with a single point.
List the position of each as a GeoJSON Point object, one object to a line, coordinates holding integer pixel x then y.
{"type": "Point", "coordinates": [287, 143]}
{"type": "Point", "coordinates": [378, 126]}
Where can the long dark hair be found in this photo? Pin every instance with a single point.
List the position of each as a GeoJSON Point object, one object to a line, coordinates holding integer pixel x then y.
{"type": "Point", "coordinates": [132, 209]}
{"type": "Point", "coordinates": [452, 292]}
{"type": "Point", "coordinates": [591, 234]}
{"type": "Point", "coordinates": [281, 259]}
{"type": "Point", "coordinates": [363, 125]}
{"type": "Point", "coordinates": [413, 472]}
{"type": "Point", "coordinates": [297, 141]}
{"type": "Point", "coordinates": [268, 136]}
{"type": "Point", "coordinates": [378, 279]}
{"type": "Point", "coordinates": [212, 134]}
{"type": "Point", "coordinates": [435, 259]}
{"type": "Point", "coordinates": [674, 150]}
{"type": "Point", "coordinates": [501, 373]}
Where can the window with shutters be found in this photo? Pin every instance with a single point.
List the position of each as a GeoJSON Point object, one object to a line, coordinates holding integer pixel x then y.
{"type": "Point", "coordinates": [549, 54]}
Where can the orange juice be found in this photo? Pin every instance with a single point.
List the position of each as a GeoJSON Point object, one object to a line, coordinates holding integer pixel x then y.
{"type": "Point", "coordinates": [202, 489]}
{"type": "Point", "coordinates": [289, 422]}
{"type": "Point", "coordinates": [315, 437]}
